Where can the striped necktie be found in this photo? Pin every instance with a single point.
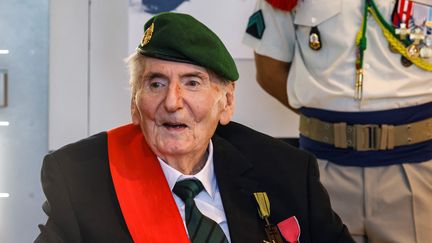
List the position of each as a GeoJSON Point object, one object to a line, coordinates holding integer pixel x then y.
{"type": "Point", "coordinates": [201, 229]}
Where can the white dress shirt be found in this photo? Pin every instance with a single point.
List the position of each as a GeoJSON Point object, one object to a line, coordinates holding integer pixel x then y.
{"type": "Point", "coordinates": [208, 201]}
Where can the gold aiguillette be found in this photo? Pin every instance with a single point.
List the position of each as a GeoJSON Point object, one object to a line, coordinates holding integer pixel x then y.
{"type": "Point", "coordinates": [359, 84]}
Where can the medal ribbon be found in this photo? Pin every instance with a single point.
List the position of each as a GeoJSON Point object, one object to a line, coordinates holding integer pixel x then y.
{"type": "Point", "coordinates": [429, 19]}
{"type": "Point", "coordinates": [420, 14]}
{"type": "Point", "coordinates": [404, 11]}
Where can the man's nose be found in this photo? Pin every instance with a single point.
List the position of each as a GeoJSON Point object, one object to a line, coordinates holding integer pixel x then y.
{"type": "Point", "coordinates": [174, 98]}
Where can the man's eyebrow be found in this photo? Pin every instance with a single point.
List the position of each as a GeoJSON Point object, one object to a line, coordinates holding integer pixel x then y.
{"type": "Point", "coordinates": [152, 75]}
{"type": "Point", "coordinates": [194, 74]}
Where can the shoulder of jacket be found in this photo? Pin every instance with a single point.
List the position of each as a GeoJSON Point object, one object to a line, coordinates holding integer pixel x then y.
{"type": "Point", "coordinates": [92, 143]}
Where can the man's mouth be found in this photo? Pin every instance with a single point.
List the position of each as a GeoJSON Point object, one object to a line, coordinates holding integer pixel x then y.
{"type": "Point", "coordinates": [170, 125]}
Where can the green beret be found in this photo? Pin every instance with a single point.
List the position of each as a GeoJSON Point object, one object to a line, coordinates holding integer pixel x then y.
{"type": "Point", "coordinates": [182, 38]}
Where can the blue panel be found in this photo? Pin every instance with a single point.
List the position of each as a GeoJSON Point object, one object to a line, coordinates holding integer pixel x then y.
{"type": "Point", "coordinates": [24, 32]}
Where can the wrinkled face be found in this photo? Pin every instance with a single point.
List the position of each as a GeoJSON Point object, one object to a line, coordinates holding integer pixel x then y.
{"type": "Point", "coordinates": [178, 107]}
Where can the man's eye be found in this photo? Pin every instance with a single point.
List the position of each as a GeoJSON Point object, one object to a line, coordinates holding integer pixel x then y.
{"type": "Point", "coordinates": [193, 83]}
{"type": "Point", "coordinates": [155, 85]}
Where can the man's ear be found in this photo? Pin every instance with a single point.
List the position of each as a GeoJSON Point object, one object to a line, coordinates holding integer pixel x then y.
{"type": "Point", "coordinates": [135, 115]}
{"type": "Point", "coordinates": [228, 109]}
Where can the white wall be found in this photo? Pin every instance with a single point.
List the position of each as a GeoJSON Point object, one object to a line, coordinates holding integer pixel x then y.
{"type": "Point", "coordinates": [68, 71]}
{"type": "Point", "coordinates": [89, 82]}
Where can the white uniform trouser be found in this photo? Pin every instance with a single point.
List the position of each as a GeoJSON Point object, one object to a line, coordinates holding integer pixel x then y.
{"type": "Point", "coordinates": [382, 204]}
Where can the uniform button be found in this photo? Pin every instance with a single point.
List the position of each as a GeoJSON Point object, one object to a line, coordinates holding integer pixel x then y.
{"type": "Point", "coordinates": [313, 20]}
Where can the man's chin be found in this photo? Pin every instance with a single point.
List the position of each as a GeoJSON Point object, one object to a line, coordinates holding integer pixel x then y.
{"type": "Point", "coordinates": [173, 147]}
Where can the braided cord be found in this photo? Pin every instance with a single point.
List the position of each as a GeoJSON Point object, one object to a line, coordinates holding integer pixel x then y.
{"type": "Point", "coordinates": [361, 40]}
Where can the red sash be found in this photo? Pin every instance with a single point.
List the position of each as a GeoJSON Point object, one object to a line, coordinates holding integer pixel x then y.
{"type": "Point", "coordinates": [145, 199]}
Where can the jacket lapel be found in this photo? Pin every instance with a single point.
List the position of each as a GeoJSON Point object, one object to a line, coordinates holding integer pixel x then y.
{"type": "Point", "coordinates": [234, 174]}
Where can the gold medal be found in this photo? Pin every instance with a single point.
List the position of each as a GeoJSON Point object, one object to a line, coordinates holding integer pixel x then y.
{"type": "Point", "coordinates": [315, 39]}
{"type": "Point", "coordinates": [413, 51]}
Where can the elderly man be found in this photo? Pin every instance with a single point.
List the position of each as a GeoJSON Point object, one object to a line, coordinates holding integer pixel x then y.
{"type": "Point", "coordinates": [168, 177]}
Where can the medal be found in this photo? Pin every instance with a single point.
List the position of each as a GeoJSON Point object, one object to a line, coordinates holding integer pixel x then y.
{"type": "Point", "coordinates": [425, 52]}
{"type": "Point", "coordinates": [420, 15]}
{"type": "Point", "coordinates": [405, 62]}
{"type": "Point", "coordinates": [271, 230]}
{"type": "Point", "coordinates": [314, 39]}
{"type": "Point", "coordinates": [417, 36]}
{"type": "Point", "coordinates": [428, 40]}
{"type": "Point", "coordinates": [413, 51]}
{"type": "Point", "coordinates": [402, 31]}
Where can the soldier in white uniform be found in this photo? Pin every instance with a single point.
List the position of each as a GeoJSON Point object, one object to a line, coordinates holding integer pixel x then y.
{"type": "Point", "coordinates": [359, 74]}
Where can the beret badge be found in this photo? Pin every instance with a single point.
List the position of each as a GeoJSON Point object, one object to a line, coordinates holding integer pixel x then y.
{"type": "Point", "coordinates": [147, 35]}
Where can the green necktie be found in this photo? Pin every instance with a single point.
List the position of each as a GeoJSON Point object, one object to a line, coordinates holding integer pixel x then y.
{"type": "Point", "coordinates": [201, 229]}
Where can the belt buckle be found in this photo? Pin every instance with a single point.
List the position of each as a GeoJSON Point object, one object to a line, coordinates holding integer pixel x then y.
{"type": "Point", "coordinates": [367, 137]}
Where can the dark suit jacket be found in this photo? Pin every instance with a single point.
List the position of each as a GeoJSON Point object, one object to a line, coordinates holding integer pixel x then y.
{"type": "Point", "coordinates": [82, 204]}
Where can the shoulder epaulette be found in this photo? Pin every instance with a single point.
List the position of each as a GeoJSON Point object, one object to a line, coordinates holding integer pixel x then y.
{"type": "Point", "coordinates": [285, 5]}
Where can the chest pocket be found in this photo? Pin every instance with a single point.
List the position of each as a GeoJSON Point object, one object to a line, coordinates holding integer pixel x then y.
{"type": "Point", "coordinates": [315, 12]}
{"type": "Point", "coordinates": [327, 16]}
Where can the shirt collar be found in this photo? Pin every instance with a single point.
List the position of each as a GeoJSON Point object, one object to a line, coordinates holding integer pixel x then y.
{"type": "Point", "coordinates": [205, 175]}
